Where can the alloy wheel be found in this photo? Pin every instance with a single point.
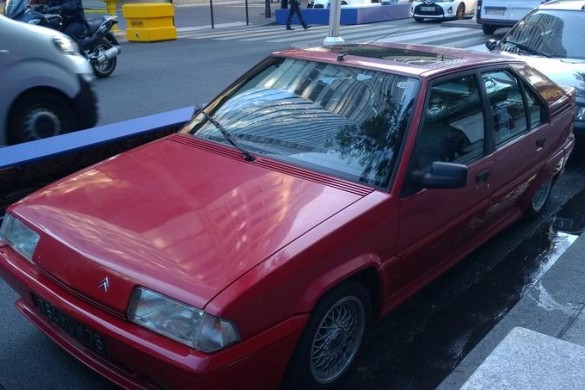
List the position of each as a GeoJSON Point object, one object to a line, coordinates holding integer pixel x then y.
{"type": "Point", "coordinates": [337, 339]}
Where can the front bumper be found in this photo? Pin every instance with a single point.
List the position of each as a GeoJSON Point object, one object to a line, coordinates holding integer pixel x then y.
{"type": "Point", "coordinates": [497, 22]}
{"type": "Point", "coordinates": [139, 359]}
{"type": "Point", "coordinates": [86, 104]}
{"type": "Point", "coordinates": [431, 11]}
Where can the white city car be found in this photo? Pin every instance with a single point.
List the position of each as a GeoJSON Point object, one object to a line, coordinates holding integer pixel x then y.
{"type": "Point", "coordinates": [430, 9]}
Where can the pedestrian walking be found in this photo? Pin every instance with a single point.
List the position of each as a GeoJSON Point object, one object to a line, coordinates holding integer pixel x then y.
{"type": "Point", "coordinates": [295, 8]}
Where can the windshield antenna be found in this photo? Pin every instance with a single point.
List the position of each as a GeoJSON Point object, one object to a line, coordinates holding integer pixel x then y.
{"type": "Point", "coordinates": [341, 56]}
{"type": "Point", "coordinates": [228, 136]}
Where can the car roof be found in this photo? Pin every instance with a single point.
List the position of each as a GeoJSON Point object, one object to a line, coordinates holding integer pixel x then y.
{"type": "Point", "coordinates": [408, 59]}
{"type": "Point", "coordinates": [571, 5]}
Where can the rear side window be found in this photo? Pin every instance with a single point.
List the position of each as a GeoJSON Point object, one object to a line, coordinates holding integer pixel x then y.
{"type": "Point", "coordinates": [506, 104]}
{"type": "Point", "coordinates": [515, 110]}
{"type": "Point", "coordinates": [546, 88]}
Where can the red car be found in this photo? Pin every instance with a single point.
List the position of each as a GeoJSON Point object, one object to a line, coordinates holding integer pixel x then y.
{"type": "Point", "coordinates": [255, 248]}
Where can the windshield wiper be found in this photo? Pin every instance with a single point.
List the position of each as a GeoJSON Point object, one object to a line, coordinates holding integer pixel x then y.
{"type": "Point", "coordinates": [228, 136]}
{"type": "Point", "coordinates": [527, 48]}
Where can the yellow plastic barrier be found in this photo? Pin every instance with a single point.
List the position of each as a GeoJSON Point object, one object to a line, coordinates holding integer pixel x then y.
{"type": "Point", "coordinates": [149, 22]}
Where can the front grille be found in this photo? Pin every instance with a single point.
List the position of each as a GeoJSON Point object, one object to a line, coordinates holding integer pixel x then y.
{"type": "Point", "coordinates": [81, 296]}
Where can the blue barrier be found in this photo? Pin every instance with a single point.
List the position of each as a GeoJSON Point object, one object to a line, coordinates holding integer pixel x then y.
{"type": "Point", "coordinates": [349, 14]}
{"type": "Point", "coordinates": [27, 167]}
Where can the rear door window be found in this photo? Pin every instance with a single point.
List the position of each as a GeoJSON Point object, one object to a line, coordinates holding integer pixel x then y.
{"type": "Point", "coordinates": [515, 109]}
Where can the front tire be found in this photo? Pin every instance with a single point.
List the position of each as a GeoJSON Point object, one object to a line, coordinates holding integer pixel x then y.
{"type": "Point", "coordinates": [487, 29]}
{"type": "Point", "coordinates": [107, 67]}
{"type": "Point", "coordinates": [332, 339]}
{"type": "Point", "coordinates": [38, 115]}
{"type": "Point", "coordinates": [418, 20]}
{"type": "Point", "coordinates": [460, 13]}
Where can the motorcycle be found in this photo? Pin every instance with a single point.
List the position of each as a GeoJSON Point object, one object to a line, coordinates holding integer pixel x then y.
{"type": "Point", "coordinates": [97, 44]}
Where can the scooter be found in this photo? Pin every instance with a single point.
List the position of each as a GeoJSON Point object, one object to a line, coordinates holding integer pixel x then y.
{"type": "Point", "coordinates": [97, 44]}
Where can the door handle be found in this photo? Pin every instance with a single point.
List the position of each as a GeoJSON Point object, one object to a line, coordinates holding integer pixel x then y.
{"type": "Point", "coordinates": [482, 177]}
{"type": "Point", "coordinates": [540, 142]}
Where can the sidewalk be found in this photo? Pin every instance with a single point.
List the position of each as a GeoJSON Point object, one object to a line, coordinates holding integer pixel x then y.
{"type": "Point", "coordinates": [540, 343]}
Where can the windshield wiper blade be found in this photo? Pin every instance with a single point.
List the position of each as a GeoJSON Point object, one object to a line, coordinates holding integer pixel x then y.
{"type": "Point", "coordinates": [527, 48]}
{"type": "Point", "coordinates": [228, 136]}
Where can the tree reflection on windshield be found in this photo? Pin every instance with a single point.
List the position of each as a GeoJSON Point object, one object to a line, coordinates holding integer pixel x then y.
{"type": "Point", "coordinates": [335, 119]}
{"type": "Point", "coordinates": [374, 144]}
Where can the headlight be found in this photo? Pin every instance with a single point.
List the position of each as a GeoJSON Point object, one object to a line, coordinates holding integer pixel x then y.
{"type": "Point", "coordinates": [180, 322]}
{"type": "Point", "coordinates": [18, 236]}
{"type": "Point", "coordinates": [66, 45]}
{"type": "Point", "coordinates": [580, 113]}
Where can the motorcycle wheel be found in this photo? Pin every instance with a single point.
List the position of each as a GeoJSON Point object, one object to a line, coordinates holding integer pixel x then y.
{"type": "Point", "coordinates": [106, 68]}
{"type": "Point", "coordinates": [39, 115]}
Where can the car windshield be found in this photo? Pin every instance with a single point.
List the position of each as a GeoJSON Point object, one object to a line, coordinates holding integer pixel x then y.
{"type": "Point", "coordinates": [334, 119]}
{"type": "Point", "coordinates": [551, 33]}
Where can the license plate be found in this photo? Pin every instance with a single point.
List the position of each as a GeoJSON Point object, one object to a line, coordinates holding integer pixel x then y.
{"type": "Point", "coordinates": [427, 8]}
{"type": "Point", "coordinates": [494, 11]}
{"type": "Point", "coordinates": [73, 328]}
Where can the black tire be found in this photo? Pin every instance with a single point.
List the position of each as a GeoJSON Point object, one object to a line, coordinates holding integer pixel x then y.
{"type": "Point", "coordinates": [460, 13]}
{"type": "Point", "coordinates": [325, 353]}
{"type": "Point", "coordinates": [107, 67]}
{"type": "Point", "coordinates": [539, 200]}
{"type": "Point", "coordinates": [488, 29]}
{"type": "Point", "coordinates": [40, 114]}
{"type": "Point", "coordinates": [418, 20]}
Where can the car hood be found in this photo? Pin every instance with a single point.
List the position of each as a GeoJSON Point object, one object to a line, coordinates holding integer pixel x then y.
{"type": "Point", "coordinates": [180, 216]}
{"type": "Point", "coordinates": [565, 72]}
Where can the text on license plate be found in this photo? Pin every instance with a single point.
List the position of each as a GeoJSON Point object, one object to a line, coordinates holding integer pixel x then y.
{"type": "Point", "coordinates": [427, 8]}
{"type": "Point", "coordinates": [495, 11]}
{"type": "Point", "coordinates": [73, 328]}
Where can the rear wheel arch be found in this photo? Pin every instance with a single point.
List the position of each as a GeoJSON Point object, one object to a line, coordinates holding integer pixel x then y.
{"type": "Point", "coordinates": [26, 94]}
{"type": "Point", "coordinates": [539, 199]}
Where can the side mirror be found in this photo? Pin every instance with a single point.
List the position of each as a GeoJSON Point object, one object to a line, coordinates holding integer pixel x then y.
{"type": "Point", "coordinates": [443, 175]}
{"type": "Point", "coordinates": [491, 44]}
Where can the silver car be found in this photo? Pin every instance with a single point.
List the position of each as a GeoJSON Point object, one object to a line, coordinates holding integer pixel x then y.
{"type": "Point", "coordinates": [551, 38]}
{"type": "Point", "coordinates": [46, 84]}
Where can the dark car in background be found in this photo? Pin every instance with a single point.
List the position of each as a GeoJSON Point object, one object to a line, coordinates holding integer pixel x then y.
{"type": "Point", "coordinates": [257, 246]}
{"type": "Point", "coordinates": [551, 38]}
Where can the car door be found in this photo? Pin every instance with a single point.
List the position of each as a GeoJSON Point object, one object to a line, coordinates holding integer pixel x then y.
{"type": "Point", "coordinates": [439, 225]}
{"type": "Point", "coordinates": [520, 130]}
